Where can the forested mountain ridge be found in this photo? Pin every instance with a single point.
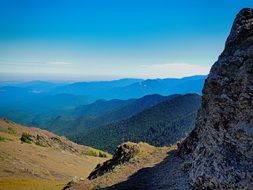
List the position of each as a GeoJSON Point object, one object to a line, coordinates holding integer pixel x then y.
{"type": "Point", "coordinates": [160, 125]}
{"type": "Point", "coordinates": [104, 112]}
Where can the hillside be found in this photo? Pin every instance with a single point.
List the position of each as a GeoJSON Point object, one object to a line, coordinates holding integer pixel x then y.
{"type": "Point", "coordinates": [162, 124]}
{"type": "Point", "coordinates": [103, 112]}
{"type": "Point", "coordinates": [36, 109]}
{"type": "Point", "coordinates": [128, 159]}
{"type": "Point", "coordinates": [134, 107]}
{"type": "Point", "coordinates": [100, 107]}
{"type": "Point", "coordinates": [31, 156]}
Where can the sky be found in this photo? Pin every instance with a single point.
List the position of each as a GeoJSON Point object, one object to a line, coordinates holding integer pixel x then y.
{"type": "Point", "coordinates": [104, 40]}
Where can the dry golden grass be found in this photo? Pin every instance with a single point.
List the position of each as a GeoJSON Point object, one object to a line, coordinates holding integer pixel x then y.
{"type": "Point", "coordinates": [30, 184]}
{"type": "Point", "coordinates": [29, 166]}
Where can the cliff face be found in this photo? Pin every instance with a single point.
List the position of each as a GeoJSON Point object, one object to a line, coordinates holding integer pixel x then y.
{"type": "Point", "coordinates": [221, 146]}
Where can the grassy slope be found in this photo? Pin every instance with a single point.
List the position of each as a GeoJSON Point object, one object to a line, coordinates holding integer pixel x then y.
{"type": "Point", "coordinates": [26, 166]}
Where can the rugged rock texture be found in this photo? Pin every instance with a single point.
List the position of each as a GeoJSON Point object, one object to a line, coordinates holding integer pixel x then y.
{"type": "Point", "coordinates": [73, 182]}
{"type": "Point", "coordinates": [54, 141]}
{"type": "Point", "coordinates": [221, 146]}
{"type": "Point", "coordinates": [123, 154]}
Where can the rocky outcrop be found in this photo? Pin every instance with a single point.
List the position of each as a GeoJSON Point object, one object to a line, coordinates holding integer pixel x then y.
{"type": "Point", "coordinates": [73, 182]}
{"type": "Point", "coordinates": [123, 154]}
{"type": "Point", "coordinates": [46, 140]}
{"type": "Point", "coordinates": [221, 146]}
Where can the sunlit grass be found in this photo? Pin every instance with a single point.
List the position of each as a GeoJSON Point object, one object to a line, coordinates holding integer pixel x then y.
{"type": "Point", "coordinates": [2, 139]}
{"type": "Point", "coordinates": [30, 184]}
{"type": "Point", "coordinates": [97, 153]}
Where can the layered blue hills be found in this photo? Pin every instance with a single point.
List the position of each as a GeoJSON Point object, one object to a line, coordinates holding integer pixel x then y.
{"type": "Point", "coordinates": [42, 103]}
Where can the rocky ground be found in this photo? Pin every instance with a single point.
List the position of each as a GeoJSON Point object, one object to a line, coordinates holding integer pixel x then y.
{"type": "Point", "coordinates": [129, 158]}
{"type": "Point", "coordinates": [171, 173]}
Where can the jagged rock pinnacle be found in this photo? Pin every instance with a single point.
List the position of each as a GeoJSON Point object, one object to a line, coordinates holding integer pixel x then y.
{"type": "Point", "coordinates": [242, 26]}
{"type": "Point", "coordinates": [221, 145]}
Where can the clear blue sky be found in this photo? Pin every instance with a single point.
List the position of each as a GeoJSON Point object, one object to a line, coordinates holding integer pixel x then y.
{"type": "Point", "coordinates": [105, 39]}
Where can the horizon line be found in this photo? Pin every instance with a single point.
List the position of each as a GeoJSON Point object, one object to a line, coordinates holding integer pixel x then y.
{"type": "Point", "coordinates": [94, 80]}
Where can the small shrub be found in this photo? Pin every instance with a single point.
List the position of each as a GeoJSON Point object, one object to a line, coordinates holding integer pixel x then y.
{"type": "Point", "coordinates": [2, 139]}
{"type": "Point", "coordinates": [11, 130]}
{"type": "Point", "coordinates": [96, 153]}
{"type": "Point", "coordinates": [26, 138]}
{"type": "Point", "coordinates": [40, 144]}
{"type": "Point", "coordinates": [102, 154]}
{"type": "Point", "coordinates": [91, 153]}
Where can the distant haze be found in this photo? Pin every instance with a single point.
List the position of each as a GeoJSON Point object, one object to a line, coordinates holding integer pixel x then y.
{"type": "Point", "coordinates": [104, 40]}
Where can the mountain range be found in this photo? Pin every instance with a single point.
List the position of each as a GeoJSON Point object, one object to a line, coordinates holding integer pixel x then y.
{"type": "Point", "coordinates": [41, 104]}
{"type": "Point", "coordinates": [162, 124]}
{"type": "Point", "coordinates": [203, 141]}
